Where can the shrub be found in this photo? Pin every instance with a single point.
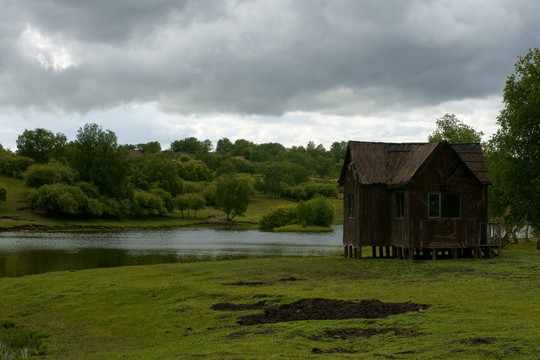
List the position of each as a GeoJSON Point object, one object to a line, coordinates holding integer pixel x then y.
{"type": "Point", "coordinates": [145, 204]}
{"type": "Point", "coordinates": [65, 199]}
{"type": "Point", "coordinates": [46, 174]}
{"type": "Point", "coordinates": [167, 198]}
{"type": "Point", "coordinates": [278, 216]}
{"type": "Point", "coordinates": [317, 211]}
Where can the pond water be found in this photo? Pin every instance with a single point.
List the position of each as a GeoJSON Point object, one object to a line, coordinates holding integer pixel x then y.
{"type": "Point", "coordinates": [25, 253]}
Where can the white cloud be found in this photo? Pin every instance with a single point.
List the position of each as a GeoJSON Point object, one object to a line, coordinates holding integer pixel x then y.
{"type": "Point", "coordinates": [46, 51]}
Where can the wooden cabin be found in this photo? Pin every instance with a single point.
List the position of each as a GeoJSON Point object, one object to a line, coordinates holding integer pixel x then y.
{"type": "Point", "coordinates": [416, 200]}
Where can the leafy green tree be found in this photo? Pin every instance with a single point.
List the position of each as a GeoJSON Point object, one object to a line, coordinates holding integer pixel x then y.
{"type": "Point", "coordinates": [195, 171]}
{"type": "Point", "coordinates": [149, 148]}
{"type": "Point", "coordinates": [65, 199]}
{"type": "Point", "coordinates": [224, 146]}
{"type": "Point", "coordinates": [232, 195]}
{"type": "Point", "coordinates": [98, 159]}
{"type": "Point", "coordinates": [198, 202]}
{"type": "Point", "coordinates": [14, 165]}
{"type": "Point", "coordinates": [157, 171]}
{"type": "Point", "coordinates": [41, 145]}
{"type": "Point", "coordinates": [514, 157]}
{"type": "Point", "coordinates": [191, 145]}
{"type": "Point", "coordinates": [338, 150]}
{"type": "Point", "coordinates": [166, 197]}
{"type": "Point", "coordinates": [453, 130]}
{"type": "Point", "coordinates": [41, 174]}
{"type": "Point", "coordinates": [3, 193]}
{"type": "Point", "coordinates": [146, 204]}
{"type": "Point", "coordinates": [182, 203]}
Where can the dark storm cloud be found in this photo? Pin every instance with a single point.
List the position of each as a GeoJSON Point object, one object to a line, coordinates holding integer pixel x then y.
{"type": "Point", "coordinates": [259, 57]}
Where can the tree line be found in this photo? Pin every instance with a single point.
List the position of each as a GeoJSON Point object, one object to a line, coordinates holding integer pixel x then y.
{"type": "Point", "coordinates": [95, 176]}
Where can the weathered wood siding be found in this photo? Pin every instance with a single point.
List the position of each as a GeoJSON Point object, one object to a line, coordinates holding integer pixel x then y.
{"type": "Point", "coordinates": [399, 227]}
{"type": "Point", "coordinates": [374, 219]}
{"type": "Point", "coordinates": [444, 173]}
{"type": "Point", "coordinates": [351, 226]}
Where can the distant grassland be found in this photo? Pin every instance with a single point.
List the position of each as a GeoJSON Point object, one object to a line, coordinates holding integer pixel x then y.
{"type": "Point", "coordinates": [480, 309]}
{"type": "Point", "coordinates": [15, 213]}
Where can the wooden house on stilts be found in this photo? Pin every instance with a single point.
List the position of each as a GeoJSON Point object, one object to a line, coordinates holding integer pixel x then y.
{"type": "Point", "coordinates": [416, 200]}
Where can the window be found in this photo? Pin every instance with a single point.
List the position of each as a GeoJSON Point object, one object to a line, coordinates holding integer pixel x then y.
{"type": "Point", "coordinates": [350, 206]}
{"type": "Point", "coordinates": [444, 205]}
{"type": "Point", "coordinates": [399, 205]}
{"type": "Point", "coordinates": [434, 205]}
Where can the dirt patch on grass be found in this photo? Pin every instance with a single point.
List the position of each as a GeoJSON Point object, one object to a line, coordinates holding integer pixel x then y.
{"type": "Point", "coordinates": [324, 309]}
{"type": "Point", "coordinates": [245, 283]}
{"type": "Point", "coordinates": [290, 278]}
{"type": "Point", "coordinates": [354, 333]}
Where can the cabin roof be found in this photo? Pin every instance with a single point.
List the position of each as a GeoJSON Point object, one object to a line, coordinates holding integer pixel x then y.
{"type": "Point", "coordinates": [395, 164]}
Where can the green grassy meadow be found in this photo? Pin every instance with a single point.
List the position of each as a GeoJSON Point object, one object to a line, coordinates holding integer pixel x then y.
{"type": "Point", "coordinates": [480, 309]}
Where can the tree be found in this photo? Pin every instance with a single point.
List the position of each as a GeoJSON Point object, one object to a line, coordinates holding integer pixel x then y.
{"type": "Point", "coordinates": [149, 148]}
{"type": "Point", "coordinates": [515, 147]}
{"type": "Point", "coordinates": [3, 194]}
{"type": "Point", "coordinates": [224, 146]}
{"type": "Point", "coordinates": [232, 195]}
{"type": "Point", "coordinates": [453, 130]}
{"type": "Point", "coordinates": [98, 159]}
{"type": "Point", "coordinates": [41, 144]}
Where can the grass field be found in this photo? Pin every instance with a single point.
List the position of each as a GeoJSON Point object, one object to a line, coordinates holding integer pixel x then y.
{"type": "Point", "coordinates": [479, 309]}
{"type": "Point", "coordinates": [15, 213]}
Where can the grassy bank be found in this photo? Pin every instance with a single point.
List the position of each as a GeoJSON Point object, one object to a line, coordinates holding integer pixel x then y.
{"type": "Point", "coordinates": [480, 309]}
{"type": "Point", "coordinates": [17, 213]}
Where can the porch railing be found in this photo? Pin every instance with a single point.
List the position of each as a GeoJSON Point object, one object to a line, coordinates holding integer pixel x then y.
{"type": "Point", "coordinates": [490, 234]}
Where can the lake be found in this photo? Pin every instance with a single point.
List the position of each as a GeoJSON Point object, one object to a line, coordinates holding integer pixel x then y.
{"type": "Point", "coordinates": [25, 253]}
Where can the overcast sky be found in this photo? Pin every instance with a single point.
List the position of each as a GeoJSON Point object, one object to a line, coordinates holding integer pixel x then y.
{"type": "Point", "coordinates": [288, 71]}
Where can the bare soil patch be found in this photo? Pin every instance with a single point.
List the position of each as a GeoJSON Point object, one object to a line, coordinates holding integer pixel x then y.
{"type": "Point", "coordinates": [322, 309]}
{"type": "Point", "coordinates": [354, 333]}
{"type": "Point", "coordinates": [244, 283]}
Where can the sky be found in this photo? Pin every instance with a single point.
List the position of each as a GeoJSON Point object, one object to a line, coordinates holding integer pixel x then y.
{"type": "Point", "coordinates": [287, 71]}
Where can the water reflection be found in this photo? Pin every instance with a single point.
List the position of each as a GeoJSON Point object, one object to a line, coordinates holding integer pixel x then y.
{"type": "Point", "coordinates": [24, 253]}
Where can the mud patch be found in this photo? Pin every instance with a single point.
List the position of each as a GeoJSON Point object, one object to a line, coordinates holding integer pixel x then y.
{"type": "Point", "coordinates": [290, 278]}
{"type": "Point", "coordinates": [355, 333]}
{"type": "Point", "coordinates": [244, 283]}
{"type": "Point", "coordinates": [323, 309]}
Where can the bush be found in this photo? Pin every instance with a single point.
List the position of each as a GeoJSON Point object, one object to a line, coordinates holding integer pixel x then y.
{"type": "Point", "coordinates": [45, 174]}
{"type": "Point", "coordinates": [167, 198]}
{"type": "Point", "coordinates": [317, 211]}
{"type": "Point", "coordinates": [65, 199]}
{"type": "Point", "coordinates": [3, 193]}
{"type": "Point", "coordinates": [278, 216]}
{"type": "Point", "coordinates": [145, 204]}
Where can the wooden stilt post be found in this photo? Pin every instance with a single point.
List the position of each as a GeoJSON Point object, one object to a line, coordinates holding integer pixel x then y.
{"type": "Point", "coordinates": [374, 251]}
{"type": "Point", "coordinates": [455, 253]}
{"type": "Point", "coordinates": [345, 251]}
{"type": "Point", "coordinates": [355, 253]}
{"type": "Point", "coordinates": [434, 254]}
{"type": "Point", "coordinates": [359, 252]}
